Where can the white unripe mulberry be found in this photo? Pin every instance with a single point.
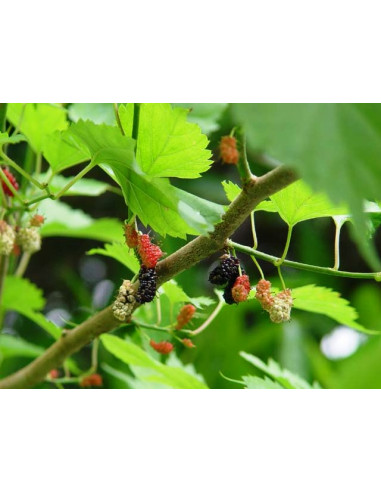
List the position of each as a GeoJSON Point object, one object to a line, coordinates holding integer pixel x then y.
{"type": "Point", "coordinates": [124, 303]}
{"type": "Point", "coordinates": [7, 238]}
{"type": "Point", "coordinates": [29, 239]}
{"type": "Point", "coordinates": [281, 308]}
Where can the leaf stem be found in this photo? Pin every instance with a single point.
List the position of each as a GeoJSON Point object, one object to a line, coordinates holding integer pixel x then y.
{"type": "Point", "coordinates": [286, 246]}
{"type": "Point", "coordinates": [76, 178]}
{"type": "Point", "coordinates": [253, 230]}
{"type": "Point", "coordinates": [258, 266]}
{"type": "Point", "coordinates": [337, 245]}
{"type": "Point", "coordinates": [303, 266]}
{"type": "Point", "coordinates": [22, 266]}
{"type": "Point", "coordinates": [207, 322]}
{"type": "Point", "coordinates": [4, 262]}
{"type": "Point", "coordinates": [281, 277]}
{"type": "Point", "coordinates": [21, 171]}
{"type": "Point", "coordinates": [117, 117]}
{"type": "Point", "coordinates": [16, 194]}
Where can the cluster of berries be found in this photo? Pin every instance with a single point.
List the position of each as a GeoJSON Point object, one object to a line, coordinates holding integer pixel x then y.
{"type": "Point", "coordinates": [123, 305]}
{"type": "Point", "coordinates": [147, 285]}
{"type": "Point", "coordinates": [277, 305]}
{"type": "Point", "coordinates": [228, 150]}
{"type": "Point", "coordinates": [237, 286]}
{"type": "Point", "coordinates": [28, 238]}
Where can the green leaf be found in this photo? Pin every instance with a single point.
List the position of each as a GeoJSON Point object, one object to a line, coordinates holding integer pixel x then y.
{"type": "Point", "coordinates": [322, 300]}
{"type": "Point", "coordinates": [36, 121]}
{"type": "Point", "coordinates": [175, 294]}
{"type": "Point", "coordinates": [126, 116]}
{"type": "Point", "coordinates": [22, 296]}
{"type": "Point", "coordinates": [13, 139]}
{"type": "Point", "coordinates": [129, 353]}
{"type": "Point", "coordinates": [96, 112]}
{"type": "Point", "coordinates": [119, 252]}
{"type": "Point", "coordinates": [253, 382]}
{"type": "Point", "coordinates": [11, 346]}
{"type": "Point", "coordinates": [83, 187]}
{"type": "Point", "coordinates": [169, 146]}
{"type": "Point", "coordinates": [297, 203]}
{"type": "Point", "coordinates": [62, 220]}
{"type": "Point", "coordinates": [206, 115]}
{"type": "Point", "coordinates": [336, 148]}
{"type": "Point", "coordinates": [63, 150]}
{"type": "Point", "coordinates": [285, 377]}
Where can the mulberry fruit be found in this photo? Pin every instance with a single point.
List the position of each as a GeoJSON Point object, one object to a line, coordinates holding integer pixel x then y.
{"type": "Point", "coordinates": [241, 288]}
{"type": "Point", "coordinates": [149, 253]}
{"type": "Point", "coordinates": [124, 303]}
{"type": "Point", "coordinates": [147, 285]}
{"type": "Point", "coordinates": [185, 315]}
{"type": "Point", "coordinates": [187, 342]}
{"type": "Point", "coordinates": [225, 271]}
{"type": "Point", "coordinates": [7, 238]}
{"type": "Point", "coordinates": [281, 308]}
{"type": "Point", "coordinates": [29, 239]}
{"type": "Point", "coordinates": [131, 235]}
{"type": "Point", "coordinates": [228, 150]}
{"type": "Point", "coordinates": [37, 220]}
{"type": "Point", "coordinates": [91, 381]}
{"type": "Point", "coordinates": [263, 294]}
{"type": "Point", "coordinates": [11, 179]}
{"type": "Point", "coordinates": [163, 347]}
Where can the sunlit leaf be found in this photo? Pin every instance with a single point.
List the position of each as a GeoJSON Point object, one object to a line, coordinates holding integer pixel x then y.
{"type": "Point", "coordinates": [206, 115]}
{"type": "Point", "coordinates": [96, 112]}
{"type": "Point", "coordinates": [119, 252]}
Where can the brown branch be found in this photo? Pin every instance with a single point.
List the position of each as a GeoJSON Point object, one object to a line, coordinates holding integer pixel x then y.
{"type": "Point", "coordinates": [253, 193]}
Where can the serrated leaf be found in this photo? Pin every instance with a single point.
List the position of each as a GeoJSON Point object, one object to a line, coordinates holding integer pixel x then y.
{"type": "Point", "coordinates": [206, 115]}
{"type": "Point", "coordinates": [25, 298]}
{"type": "Point", "coordinates": [336, 148]}
{"type": "Point", "coordinates": [62, 220]}
{"type": "Point", "coordinates": [131, 354]}
{"type": "Point", "coordinates": [36, 121]}
{"type": "Point", "coordinates": [96, 112]}
{"type": "Point", "coordinates": [175, 293]}
{"type": "Point", "coordinates": [298, 202]}
{"type": "Point", "coordinates": [119, 252]}
{"type": "Point", "coordinates": [168, 145]}
{"type": "Point", "coordinates": [11, 346]}
{"type": "Point", "coordinates": [253, 382]}
{"type": "Point", "coordinates": [285, 377]}
{"type": "Point", "coordinates": [323, 300]}
{"type": "Point", "coordinates": [13, 139]}
{"type": "Point", "coordinates": [62, 150]}
{"type": "Point", "coordinates": [83, 187]}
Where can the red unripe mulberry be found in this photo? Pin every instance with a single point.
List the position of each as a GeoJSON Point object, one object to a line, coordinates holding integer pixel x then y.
{"type": "Point", "coordinates": [188, 343]}
{"type": "Point", "coordinates": [11, 179]}
{"type": "Point", "coordinates": [37, 220]}
{"type": "Point", "coordinates": [185, 315]}
{"type": "Point", "coordinates": [228, 150]}
{"type": "Point", "coordinates": [163, 347]}
{"type": "Point", "coordinates": [131, 235]}
{"type": "Point", "coordinates": [91, 381]}
{"type": "Point", "coordinates": [149, 253]}
{"type": "Point", "coordinates": [241, 288]}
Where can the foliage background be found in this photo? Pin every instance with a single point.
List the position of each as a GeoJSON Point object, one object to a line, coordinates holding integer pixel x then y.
{"type": "Point", "coordinates": [75, 285]}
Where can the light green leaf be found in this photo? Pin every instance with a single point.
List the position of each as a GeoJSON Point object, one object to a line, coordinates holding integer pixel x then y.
{"type": "Point", "coordinates": [127, 352]}
{"type": "Point", "coordinates": [169, 146]}
{"type": "Point", "coordinates": [119, 252]}
{"type": "Point", "coordinates": [36, 121]}
{"type": "Point", "coordinates": [175, 377]}
{"type": "Point", "coordinates": [253, 382]}
{"type": "Point", "coordinates": [175, 293]}
{"type": "Point", "coordinates": [126, 116]}
{"type": "Point", "coordinates": [83, 187]}
{"type": "Point", "coordinates": [13, 139]}
{"type": "Point", "coordinates": [22, 296]}
{"type": "Point", "coordinates": [322, 300]}
{"type": "Point", "coordinates": [62, 150]}
{"type": "Point", "coordinates": [96, 112]}
{"type": "Point", "coordinates": [336, 148]}
{"type": "Point", "coordinates": [62, 220]}
{"type": "Point", "coordinates": [286, 378]}
{"type": "Point", "coordinates": [11, 346]}
{"type": "Point", "coordinates": [297, 202]}
{"type": "Point", "coordinates": [206, 115]}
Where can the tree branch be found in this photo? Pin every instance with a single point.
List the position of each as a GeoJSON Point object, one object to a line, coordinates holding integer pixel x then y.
{"type": "Point", "coordinates": [254, 191]}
